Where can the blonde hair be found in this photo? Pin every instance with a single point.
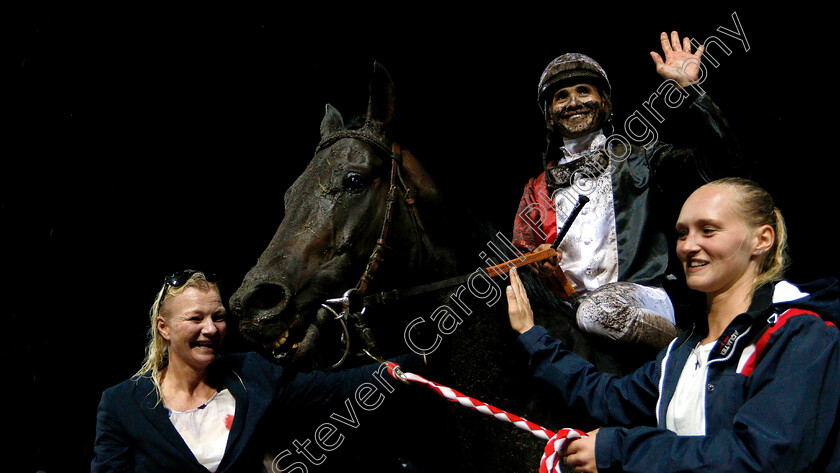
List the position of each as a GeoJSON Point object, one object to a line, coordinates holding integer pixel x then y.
{"type": "Point", "coordinates": [157, 350]}
{"type": "Point", "coordinates": [756, 207]}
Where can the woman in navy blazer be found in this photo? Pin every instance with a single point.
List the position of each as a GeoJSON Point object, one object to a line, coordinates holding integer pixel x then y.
{"type": "Point", "coordinates": [184, 373]}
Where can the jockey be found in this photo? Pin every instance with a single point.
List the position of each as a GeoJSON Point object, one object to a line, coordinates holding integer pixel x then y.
{"type": "Point", "coordinates": [615, 256]}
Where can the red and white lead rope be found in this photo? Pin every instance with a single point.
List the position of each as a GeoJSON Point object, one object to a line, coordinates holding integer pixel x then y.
{"type": "Point", "coordinates": [551, 459]}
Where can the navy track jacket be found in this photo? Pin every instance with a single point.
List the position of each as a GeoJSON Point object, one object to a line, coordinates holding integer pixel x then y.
{"type": "Point", "coordinates": [772, 392]}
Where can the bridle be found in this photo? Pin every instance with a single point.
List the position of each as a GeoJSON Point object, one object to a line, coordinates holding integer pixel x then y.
{"type": "Point", "coordinates": [354, 302]}
{"type": "Point", "coordinates": [351, 302]}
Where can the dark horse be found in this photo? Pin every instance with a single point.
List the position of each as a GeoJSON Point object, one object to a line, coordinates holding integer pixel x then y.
{"type": "Point", "coordinates": [366, 216]}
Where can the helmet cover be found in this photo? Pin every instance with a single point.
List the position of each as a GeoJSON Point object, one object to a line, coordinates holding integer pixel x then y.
{"type": "Point", "coordinates": [570, 69]}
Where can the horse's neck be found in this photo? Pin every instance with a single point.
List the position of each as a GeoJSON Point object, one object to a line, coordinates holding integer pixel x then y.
{"type": "Point", "coordinates": [452, 237]}
{"type": "Point", "coordinates": [453, 241]}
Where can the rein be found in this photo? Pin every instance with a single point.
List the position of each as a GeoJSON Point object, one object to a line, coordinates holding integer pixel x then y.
{"type": "Point", "coordinates": [396, 295]}
{"type": "Point", "coordinates": [389, 297]}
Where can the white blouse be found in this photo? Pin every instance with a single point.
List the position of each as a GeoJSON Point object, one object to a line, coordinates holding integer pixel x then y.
{"type": "Point", "coordinates": [205, 429]}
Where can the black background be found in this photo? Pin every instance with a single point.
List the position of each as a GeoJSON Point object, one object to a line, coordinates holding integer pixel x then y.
{"type": "Point", "coordinates": [139, 139]}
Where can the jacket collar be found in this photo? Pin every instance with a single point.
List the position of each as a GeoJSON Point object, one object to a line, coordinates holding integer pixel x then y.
{"type": "Point", "coordinates": [744, 324]}
{"type": "Point", "coordinates": [234, 383]}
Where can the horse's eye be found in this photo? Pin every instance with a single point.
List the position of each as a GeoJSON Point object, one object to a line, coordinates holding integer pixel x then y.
{"type": "Point", "coordinates": [353, 181]}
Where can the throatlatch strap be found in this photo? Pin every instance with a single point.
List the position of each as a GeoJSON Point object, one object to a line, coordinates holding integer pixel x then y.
{"type": "Point", "coordinates": [551, 459]}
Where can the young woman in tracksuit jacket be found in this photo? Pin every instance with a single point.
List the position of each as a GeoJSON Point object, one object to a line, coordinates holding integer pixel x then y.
{"type": "Point", "coordinates": [754, 387]}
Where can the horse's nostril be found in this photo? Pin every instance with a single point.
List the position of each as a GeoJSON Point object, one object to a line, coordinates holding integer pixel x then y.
{"type": "Point", "coordinates": [266, 297]}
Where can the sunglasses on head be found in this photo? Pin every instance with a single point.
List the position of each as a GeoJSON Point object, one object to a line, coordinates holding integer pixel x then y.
{"type": "Point", "coordinates": [180, 278]}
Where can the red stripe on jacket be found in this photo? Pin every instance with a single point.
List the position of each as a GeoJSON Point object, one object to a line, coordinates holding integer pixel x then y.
{"type": "Point", "coordinates": [761, 344]}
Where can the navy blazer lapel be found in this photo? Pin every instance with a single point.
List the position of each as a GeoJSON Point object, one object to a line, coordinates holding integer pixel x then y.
{"type": "Point", "coordinates": [233, 447]}
{"type": "Point", "coordinates": [147, 400]}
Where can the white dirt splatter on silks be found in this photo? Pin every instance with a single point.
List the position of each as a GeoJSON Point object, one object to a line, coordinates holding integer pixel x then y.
{"type": "Point", "coordinates": [628, 312]}
{"type": "Point", "coordinates": [610, 308]}
{"type": "Point", "coordinates": [590, 250]}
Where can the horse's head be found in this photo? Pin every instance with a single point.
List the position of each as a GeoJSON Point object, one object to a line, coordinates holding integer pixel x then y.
{"type": "Point", "coordinates": [349, 222]}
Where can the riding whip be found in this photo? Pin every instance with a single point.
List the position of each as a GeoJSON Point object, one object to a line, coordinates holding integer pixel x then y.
{"type": "Point", "coordinates": [582, 200]}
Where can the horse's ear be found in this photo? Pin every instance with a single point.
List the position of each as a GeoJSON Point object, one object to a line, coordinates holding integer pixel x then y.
{"type": "Point", "coordinates": [382, 98]}
{"type": "Point", "coordinates": [331, 122]}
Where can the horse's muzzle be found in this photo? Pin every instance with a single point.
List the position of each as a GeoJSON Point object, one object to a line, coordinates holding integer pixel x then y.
{"type": "Point", "coordinates": [263, 304]}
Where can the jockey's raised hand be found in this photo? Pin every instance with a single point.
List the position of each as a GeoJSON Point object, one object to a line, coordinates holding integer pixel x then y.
{"type": "Point", "coordinates": [679, 63]}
